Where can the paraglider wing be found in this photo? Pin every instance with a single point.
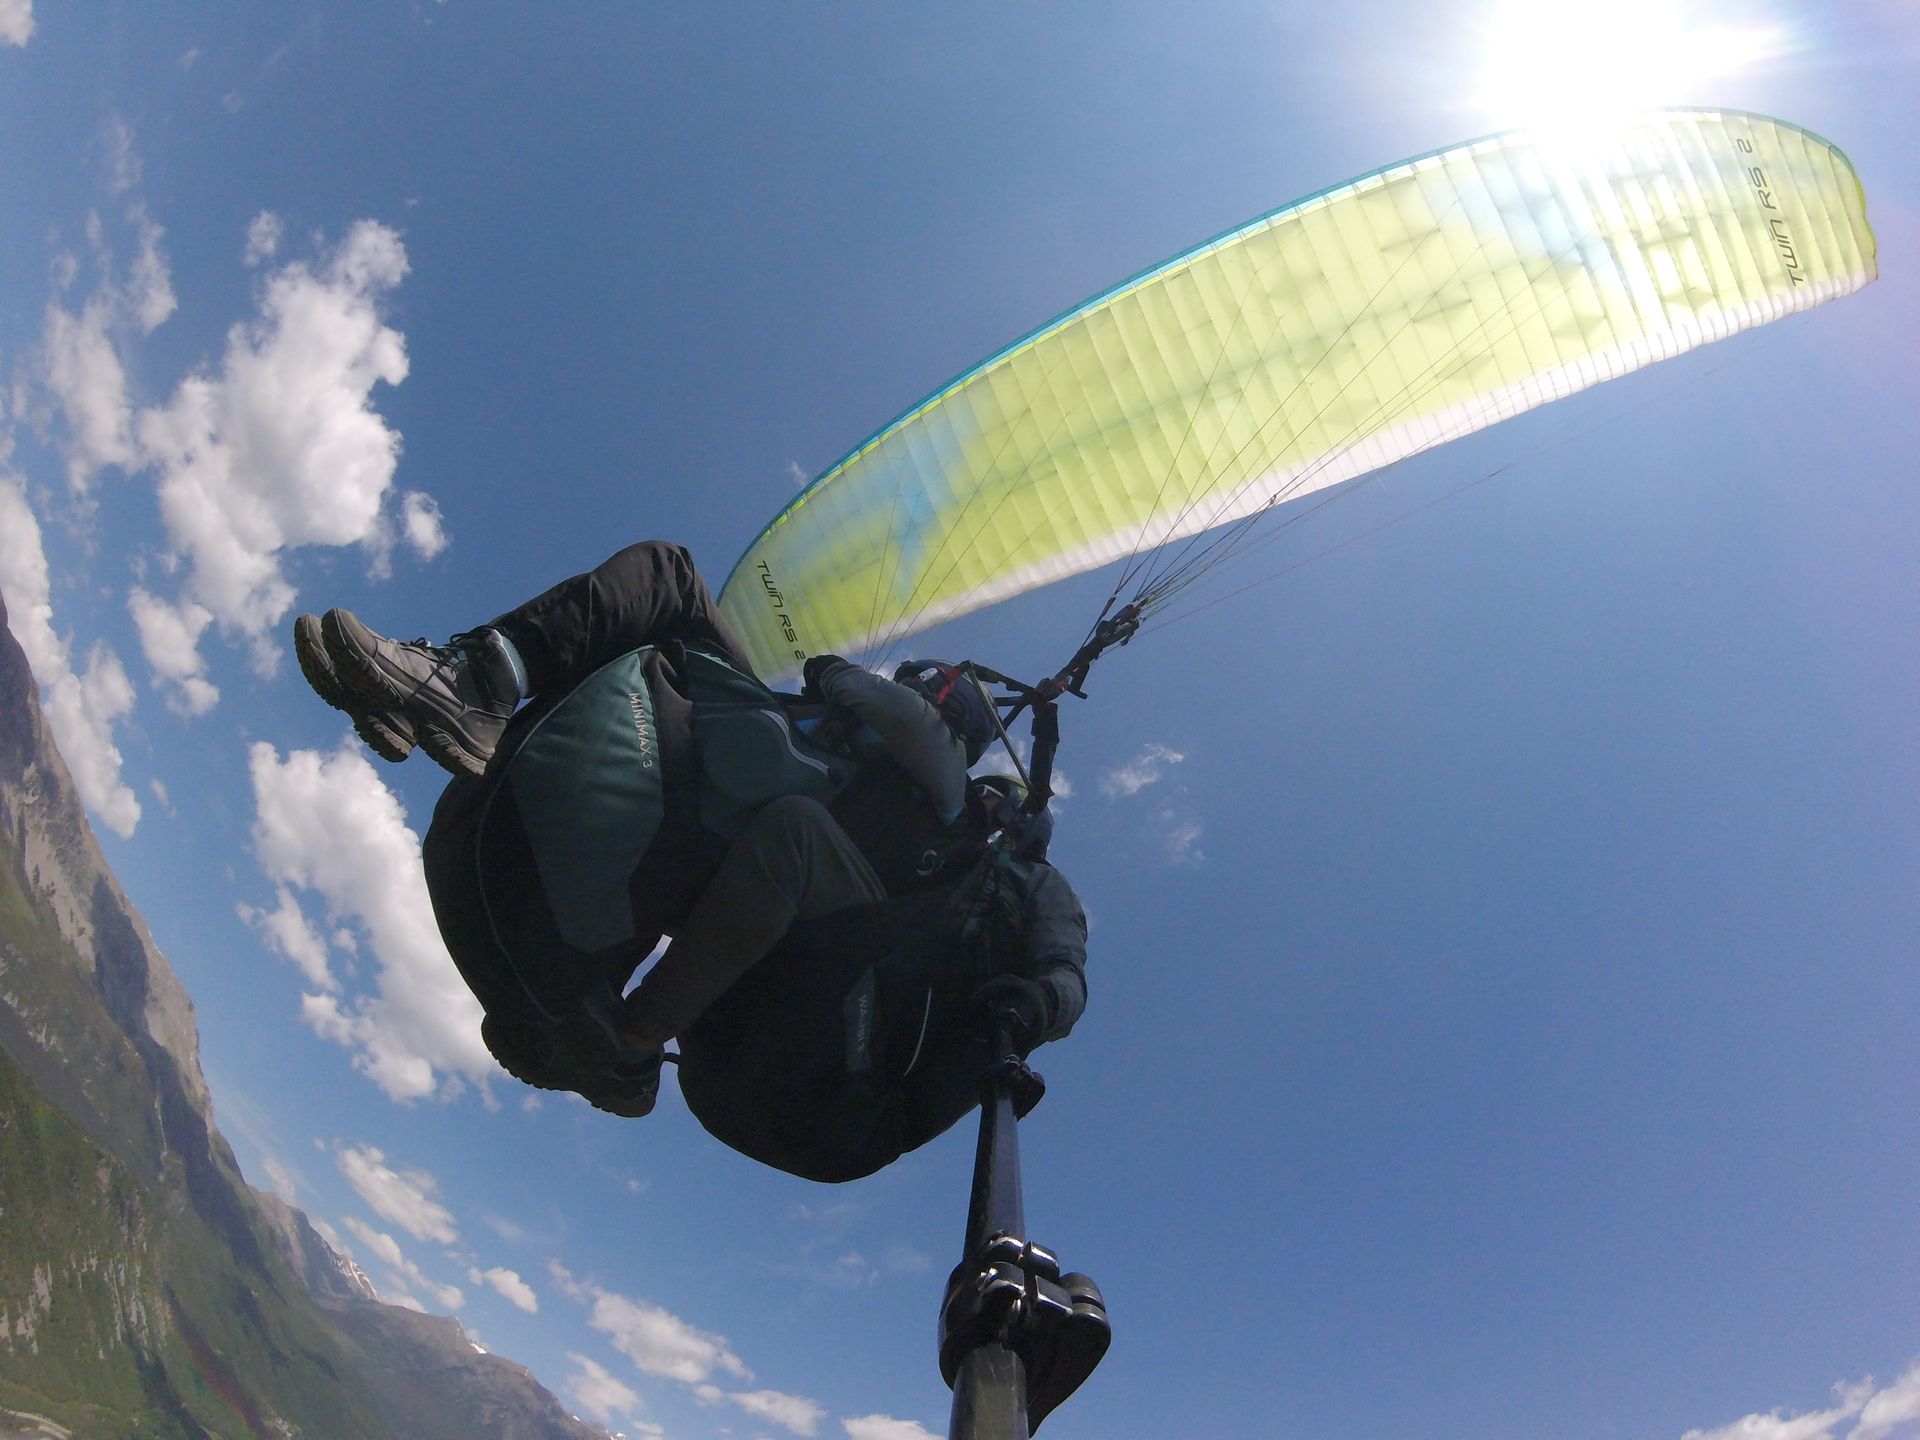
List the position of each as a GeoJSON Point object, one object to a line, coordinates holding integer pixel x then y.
{"type": "Point", "coordinates": [1331, 337]}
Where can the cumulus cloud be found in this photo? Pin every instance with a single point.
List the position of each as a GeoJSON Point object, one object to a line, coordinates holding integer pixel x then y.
{"type": "Point", "coordinates": [1888, 1410]}
{"type": "Point", "coordinates": [1149, 766]}
{"type": "Point", "coordinates": [82, 707]}
{"type": "Point", "coordinates": [385, 1249]}
{"type": "Point", "coordinates": [327, 823]}
{"type": "Point", "coordinates": [80, 361]}
{"type": "Point", "coordinates": [16, 22]}
{"type": "Point", "coordinates": [81, 368]}
{"type": "Point", "coordinates": [170, 639]}
{"type": "Point", "coordinates": [597, 1392]}
{"type": "Point", "coordinates": [420, 524]}
{"type": "Point", "coordinates": [792, 1412]}
{"type": "Point", "coordinates": [508, 1285]}
{"type": "Point", "coordinates": [288, 931]}
{"type": "Point", "coordinates": [660, 1343]}
{"type": "Point", "coordinates": [407, 1199]}
{"type": "Point", "coordinates": [885, 1427]}
{"type": "Point", "coordinates": [280, 447]}
{"type": "Point", "coordinates": [23, 579]}
{"type": "Point", "coordinates": [1878, 1413]}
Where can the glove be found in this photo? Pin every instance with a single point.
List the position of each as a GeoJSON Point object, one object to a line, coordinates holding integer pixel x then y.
{"type": "Point", "coordinates": [627, 1087]}
{"type": "Point", "coordinates": [624, 1082]}
{"type": "Point", "coordinates": [813, 671]}
{"type": "Point", "coordinates": [524, 1054]}
{"type": "Point", "coordinates": [1025, 1004]}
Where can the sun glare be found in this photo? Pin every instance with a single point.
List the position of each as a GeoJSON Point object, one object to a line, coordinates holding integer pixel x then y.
{"type": "Point", "coordinates": [1562, 63]}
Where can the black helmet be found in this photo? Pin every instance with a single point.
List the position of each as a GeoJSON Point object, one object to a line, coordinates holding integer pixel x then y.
{"type": "Point", "coordinates": [1028, 833]}
{"type": "Point", "coordinates": [952, 691]}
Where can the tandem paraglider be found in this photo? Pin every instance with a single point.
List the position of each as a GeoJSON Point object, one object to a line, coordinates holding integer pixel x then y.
{"type": "Point", "coordinates": [866, 939]}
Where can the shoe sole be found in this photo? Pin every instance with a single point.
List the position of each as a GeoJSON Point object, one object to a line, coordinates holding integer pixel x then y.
{"type": "Point", "coordinates": [357, 669]}
{"type": "Point", "coordinates": [387, 740]}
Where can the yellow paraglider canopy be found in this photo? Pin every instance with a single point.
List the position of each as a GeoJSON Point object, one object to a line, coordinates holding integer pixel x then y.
{"type": "Point", "coordinates": [1334, 336]}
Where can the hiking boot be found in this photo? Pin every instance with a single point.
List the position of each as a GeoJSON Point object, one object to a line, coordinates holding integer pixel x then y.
{"type": "Point", "coordinates": [388, 732]}
{"type": "Point", "coordinates": [458, 697]}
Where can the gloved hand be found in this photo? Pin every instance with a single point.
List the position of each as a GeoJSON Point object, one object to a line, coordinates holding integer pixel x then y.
{"type": "Point", "coordinates": [621, 1082]}
{"type": "Point", "coordinates": [811, 673]}
{"type": "Point", "coordinates": [525, 1054]}
{"type": "Point", "coordinates": [639, 1026]}
{"type": "Point", "coordinates": [629, 1086]}
{"type": "Point", "coordinates": [1026, 1004]}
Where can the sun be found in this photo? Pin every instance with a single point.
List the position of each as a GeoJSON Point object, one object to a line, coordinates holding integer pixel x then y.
{"type": "Point", "coordinates": [1558, 63]}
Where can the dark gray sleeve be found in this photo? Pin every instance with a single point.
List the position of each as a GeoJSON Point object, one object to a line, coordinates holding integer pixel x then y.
{"type": "Point", "coordinates": [910, 728]}
{"type": "Point", "coordinates": [1056, 941]}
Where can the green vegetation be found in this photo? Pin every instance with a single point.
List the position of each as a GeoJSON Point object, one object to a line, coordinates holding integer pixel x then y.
{"type": "Point", "coordinates": [144, 1293]}
{"type": "Point", "coordinates": [125, 1312]}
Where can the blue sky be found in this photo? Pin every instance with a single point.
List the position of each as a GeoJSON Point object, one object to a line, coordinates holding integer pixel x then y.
{"type": "Point", "coordinates": [1503, 989]}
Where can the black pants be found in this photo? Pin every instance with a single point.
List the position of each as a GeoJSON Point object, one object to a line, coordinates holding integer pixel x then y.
{"type": "Point", "coordinates": [793, 862]}
{"type": "Point", "coordinates": [642, 595]}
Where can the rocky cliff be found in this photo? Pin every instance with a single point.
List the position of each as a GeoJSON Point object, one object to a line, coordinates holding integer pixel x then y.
{"type": "Point", "coordinates": [145, 1289]}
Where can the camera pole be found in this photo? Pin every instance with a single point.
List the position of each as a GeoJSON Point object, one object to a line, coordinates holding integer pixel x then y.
{"type": "Point", "coordinates": [1016, 1336]}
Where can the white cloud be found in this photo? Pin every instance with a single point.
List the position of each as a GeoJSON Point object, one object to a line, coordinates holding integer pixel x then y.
{"type": "Point", "coordinates": [405, 1199]}
{"type": "Point", "coordinates": [569, 1287]}
{"type": "Point", "coordinates": [1179, 831]}
{"type": "Point", "coordinates": [82, 370]}
{"type": "Point", "coordinates": [599, 1393]}
{"type": "Point", "coordinates": [1141, 771]}
{"type": "Point", "coordinates": [16, 22]}
{"type": "Point", "coordinates": [384, 1248]}
{"type": "Point", "coordinates": [1880, 1413]}
{"type": "Point", "coordinates": [23, 580]}
{"type": "Point", "coordinates": [509, 1286]}
{"type": "Point", "coordinates": [82, 709]}
{"type": "Point", "coordinates": [885, 1427]}
{"type": "Point", "coordinates": [152, 299]}
{"type": "Point", "coordinates": [288, 931]}
{"type": "Point", "coordinates": [660, 1343]}
{"type": "Point", "coordinates": [793, 1412]}
{"type": "Point", "coordinates": [327, 823]}
{"type": "Point", "coordinates": [281, 447]}
{"type": "Point", "coordinates": [170, 639]}
{"type": "Point", "coordinates": [1180, 834]}
{"type": "Point", "coordinates": [263, 237]}
{"type": "Point", "coordinates": [1891, 1408]}
{"type": "Point", "coordinates": [123, 161]}
{"type": "Point", "coordinates": [80, 362]}
{"type": "Point", "coordinates": [420, 524]}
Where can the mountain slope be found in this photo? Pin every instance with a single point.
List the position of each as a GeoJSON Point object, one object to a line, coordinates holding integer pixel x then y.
{"type": "Point", "coordinates": [145, 1288]}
